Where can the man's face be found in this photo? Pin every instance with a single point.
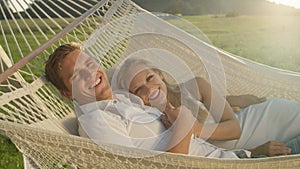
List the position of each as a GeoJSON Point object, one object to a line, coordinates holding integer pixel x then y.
{"type": "Point", "coordinates": [84, 78]}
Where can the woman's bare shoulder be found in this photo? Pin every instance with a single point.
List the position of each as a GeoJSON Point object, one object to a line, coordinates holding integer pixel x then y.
{"type": "Point", "coordinates": [197, 80]}
{"type": "Point", "coordinates": [197, 86]}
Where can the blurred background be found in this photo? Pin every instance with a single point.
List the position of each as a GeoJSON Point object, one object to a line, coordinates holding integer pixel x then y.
{"type": "Point", "coordinates": [264, 31]}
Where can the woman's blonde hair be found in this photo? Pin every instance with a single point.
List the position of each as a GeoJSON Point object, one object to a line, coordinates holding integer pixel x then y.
{"type": "Point", "coordinates": [133, 61]}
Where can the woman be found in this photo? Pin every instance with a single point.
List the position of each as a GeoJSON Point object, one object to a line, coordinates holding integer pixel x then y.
{"type": "Point", "coordinates": [253, 127]}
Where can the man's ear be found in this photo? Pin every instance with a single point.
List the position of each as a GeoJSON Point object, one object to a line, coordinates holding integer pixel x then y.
{"type": "Point", "coordinates": [65, 93]}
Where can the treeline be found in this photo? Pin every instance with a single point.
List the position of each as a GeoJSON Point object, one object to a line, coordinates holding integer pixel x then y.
{"type": "Point", "coordinates": [184, 7]}
{"type": "Point", "coordinates": [200, 7]}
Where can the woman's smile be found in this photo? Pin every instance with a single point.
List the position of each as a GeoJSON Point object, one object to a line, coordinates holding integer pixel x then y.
{"type": "Point", "coordinates": [154, 94]}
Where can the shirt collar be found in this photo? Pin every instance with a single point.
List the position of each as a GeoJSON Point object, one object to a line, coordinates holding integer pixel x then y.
{"type": "Point", "coordinates": [120, 96]}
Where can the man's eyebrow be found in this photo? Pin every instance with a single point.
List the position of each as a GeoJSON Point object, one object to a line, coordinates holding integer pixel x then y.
{"type": "Point", "coordinates": [89, 59]}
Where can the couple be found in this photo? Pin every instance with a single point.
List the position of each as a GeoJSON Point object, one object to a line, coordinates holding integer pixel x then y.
{"type": "Point", "coordinates": [122, 118]}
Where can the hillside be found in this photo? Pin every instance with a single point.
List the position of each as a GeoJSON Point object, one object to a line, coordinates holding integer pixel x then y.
{"type": "Point", "coordinates": [198, 7]}
{"type": "Point", "coordinates": [185, 7]}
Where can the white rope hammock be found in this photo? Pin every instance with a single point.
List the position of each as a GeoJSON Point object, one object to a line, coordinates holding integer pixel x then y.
{"type": "Point", "coordinates": [42, 124]}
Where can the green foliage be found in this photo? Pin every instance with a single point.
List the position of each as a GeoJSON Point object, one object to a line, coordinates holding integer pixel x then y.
{"type": "Point", "coordinates": [233, 13]}
{"type": "Point", "coordinates": [174, 11]}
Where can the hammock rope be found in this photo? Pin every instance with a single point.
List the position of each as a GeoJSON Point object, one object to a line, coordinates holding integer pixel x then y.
{"type": "Point", "coordinates": [42, 124]}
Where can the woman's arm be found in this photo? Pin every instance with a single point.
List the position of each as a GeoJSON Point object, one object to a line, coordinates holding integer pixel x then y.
{"type": "Point", "coordinates": [182, 128]}
{"type": "Point", "coordinates": [183, 145]}
{"type": "Point", "coordinates": [228, 127]}
{"type": "Point", "coordinates": [243, 101]}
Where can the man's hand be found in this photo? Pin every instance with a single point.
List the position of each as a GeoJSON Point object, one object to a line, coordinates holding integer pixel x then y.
{"type": "Point", "coordinates": [271, 148]}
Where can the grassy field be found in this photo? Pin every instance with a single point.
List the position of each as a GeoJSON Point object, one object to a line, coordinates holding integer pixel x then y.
{"type": "Point", "coordinates": [271, 40]}
{"type": "Point", "coordinates": [10, 158]}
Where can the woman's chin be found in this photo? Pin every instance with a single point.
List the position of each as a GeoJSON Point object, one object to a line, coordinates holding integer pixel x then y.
{"type": "Point", "coordinates": [159, 104]}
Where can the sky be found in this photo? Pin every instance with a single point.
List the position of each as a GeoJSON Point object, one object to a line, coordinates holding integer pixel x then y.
{"type": "Point", "coordinates": [293, 3]}
{"type": "Point", "coordinates": [16, 4]}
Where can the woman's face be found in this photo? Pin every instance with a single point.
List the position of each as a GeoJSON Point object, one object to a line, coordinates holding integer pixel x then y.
{"type": "Point", "coordinates": [148, 84]}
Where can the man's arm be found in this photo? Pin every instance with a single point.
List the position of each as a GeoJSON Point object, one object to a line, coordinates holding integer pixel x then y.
{"type": "Point", "coordinates": [105, 128]}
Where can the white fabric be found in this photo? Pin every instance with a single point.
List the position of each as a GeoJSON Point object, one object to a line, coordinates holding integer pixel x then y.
{"type": "Point", "coordinates": [130, 124]}
{"type": "Point", "coordinates": [274, 119]}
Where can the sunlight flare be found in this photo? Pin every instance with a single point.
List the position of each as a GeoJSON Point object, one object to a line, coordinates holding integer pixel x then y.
{"type": "Point", "coordinates": [292, 3]}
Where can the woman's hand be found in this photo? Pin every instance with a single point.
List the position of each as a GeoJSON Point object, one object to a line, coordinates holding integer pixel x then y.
{"type": "Point", "coordinates": [171, 113]}
{"type": "Point", "coordinates": [271, 148]}
{"type": "Point", "coordinates": [165, 121]}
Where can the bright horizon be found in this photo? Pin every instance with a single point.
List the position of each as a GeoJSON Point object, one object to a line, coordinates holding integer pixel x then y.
{"type": "Point", "coordinates": [16, 5]}
{"type": "Point", "coordinates": [291, 3]}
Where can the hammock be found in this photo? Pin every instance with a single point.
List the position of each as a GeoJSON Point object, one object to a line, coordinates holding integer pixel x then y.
{"type": "Point", "coordinates": [42, 124]}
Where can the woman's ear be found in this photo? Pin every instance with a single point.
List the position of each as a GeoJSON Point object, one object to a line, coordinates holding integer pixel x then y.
{"type": "Point", "coordinates": [66, 94]}
{"type": "Point", "coordinates": [160, 74]}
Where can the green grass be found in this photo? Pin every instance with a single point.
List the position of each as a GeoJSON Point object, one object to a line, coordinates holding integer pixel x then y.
{"type": "Point", "coordinates": [266, 39]}
{"type": "Point", "coordinates": [10, 158]}
{"type": "Point", "coordinates": [271, 40]}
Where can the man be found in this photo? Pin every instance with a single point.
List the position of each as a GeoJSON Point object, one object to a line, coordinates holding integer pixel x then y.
{"type": "Point", "coordinates": [114, 117]}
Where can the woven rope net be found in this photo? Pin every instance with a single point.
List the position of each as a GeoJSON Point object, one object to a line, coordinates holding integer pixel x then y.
{"type": "Point", "coordinates": [42, 124]}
